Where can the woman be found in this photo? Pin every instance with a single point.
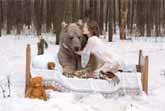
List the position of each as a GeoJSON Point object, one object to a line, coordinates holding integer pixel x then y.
{"type": "Point", "coordinates": [108, 61]}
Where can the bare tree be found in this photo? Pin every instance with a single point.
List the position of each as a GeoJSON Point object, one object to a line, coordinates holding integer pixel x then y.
{"type": "Point", "coordinates": [27, 12]}
{"type": "Point", "coordinates": [148, 18]}
{"type": "Point", "coordinates": [114, 16]}
{"type": "Point", "coordinates": [1, 17]}
{"type": "Point", "coordinates": [110, 20]}
{"type": "Point", "coordinates": [58, 17]}
{"type": "Point", "coordinates": [123, 18]}
{"type": "Point", "coordinates": [163, 15]}
{"type": "Point", "coordinates": [139, 17]}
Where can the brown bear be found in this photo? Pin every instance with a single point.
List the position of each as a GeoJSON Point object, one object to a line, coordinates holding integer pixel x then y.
{"type": "Point", "coordinates": [36, 89]}
{"type": "Point", "coordinates": [71, 38]}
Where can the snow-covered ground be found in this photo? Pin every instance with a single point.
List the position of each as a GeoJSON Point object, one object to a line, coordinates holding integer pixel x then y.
{"type": "Point", "coordinates": [12, 57]}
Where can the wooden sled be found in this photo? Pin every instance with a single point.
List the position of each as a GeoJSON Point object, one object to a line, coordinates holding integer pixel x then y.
{"type": "Point", "coordinates": [141, 67]}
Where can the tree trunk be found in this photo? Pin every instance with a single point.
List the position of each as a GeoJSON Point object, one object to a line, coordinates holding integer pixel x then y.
{"type": "Point", "coordinates": [110, 26]}
{"type": "Point", "coordinates": [19, 21]}
{"type": "Point", "coordinates": [106, 14]}
{"type": "Point", "coordinates": [27, 12]}
{"type": "Point", "coordinates": [123, 18]}
{"type": "Point", "coordinates": [114, 16]}
{"type": "Point", "coordinates": [163, 17]}
{"type": "Point", "coordinates": [58, 17]}
{"type": "Point", "coordinates": [132, 17]}
{"type": "Point", "coordinates": [1, 18]}
{"type": "Point", "coordinates": [48, 16]}
{"type": "Point", "coordinates": [148, 18]}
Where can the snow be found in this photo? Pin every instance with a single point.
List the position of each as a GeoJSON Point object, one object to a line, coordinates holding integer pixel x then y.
{"type": "Point", "coordinates": [12, 57]}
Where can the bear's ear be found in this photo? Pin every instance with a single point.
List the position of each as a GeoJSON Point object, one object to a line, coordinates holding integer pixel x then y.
{"type": "Point", "coordinates": [80, 22]}
{"type": "Point", "coordinates": [64, 24]}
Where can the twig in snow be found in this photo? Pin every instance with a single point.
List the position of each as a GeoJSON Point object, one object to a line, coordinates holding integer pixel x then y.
{"type": "Point", "coordinates": [3, 91]}
{"type": "Point", "coordinates": [8, 83]}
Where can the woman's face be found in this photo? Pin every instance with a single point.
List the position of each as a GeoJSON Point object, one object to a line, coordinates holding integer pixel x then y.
{"type": "Point", "coordinates": [86, 31]}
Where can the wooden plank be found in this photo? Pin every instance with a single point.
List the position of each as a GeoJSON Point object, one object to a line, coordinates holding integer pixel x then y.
{"type": "Point", "coordinates": [145, 75]}
{"type": "Point", "coordinates": [142, 67]}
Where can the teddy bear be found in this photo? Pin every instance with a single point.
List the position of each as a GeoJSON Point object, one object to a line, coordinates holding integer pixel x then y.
{"type": "Point", "coordinates": [36, 89]}
{"type": "Point", "coordinates": [51, 65]}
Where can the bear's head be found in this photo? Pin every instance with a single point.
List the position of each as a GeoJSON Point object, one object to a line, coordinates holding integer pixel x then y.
{"type": "Point", "coordinates": [70, 37]}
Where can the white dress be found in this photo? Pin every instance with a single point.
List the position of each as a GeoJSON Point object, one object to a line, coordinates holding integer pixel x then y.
{"type": "Point", "coordinates": [109, 59]}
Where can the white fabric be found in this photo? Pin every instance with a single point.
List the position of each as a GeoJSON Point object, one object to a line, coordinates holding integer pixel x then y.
{"type": "Point", "coordinates": [111, 61]}
{"type": "Point", "coordinates": [39, 66]}
{"type": "Point", "coordinates": [129, 82]}
{"type": "Point", "coordinates": [41, 61]}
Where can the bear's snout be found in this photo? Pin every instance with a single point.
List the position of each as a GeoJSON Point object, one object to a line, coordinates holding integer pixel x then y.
{"type": "Point", "coordinates": [76, 48]}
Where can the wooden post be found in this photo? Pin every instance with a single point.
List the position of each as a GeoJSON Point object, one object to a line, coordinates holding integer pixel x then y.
{"type": "Point", "coordinates": [138, 67]}
{"type": "Point", "coordinates": [28, 62]}
{"type": "Point", "coordinates": [143, 68]}
{"type": "Point", "coordinates": [140, 55]}
{"type": "Point", "coordinates": [145, 76]}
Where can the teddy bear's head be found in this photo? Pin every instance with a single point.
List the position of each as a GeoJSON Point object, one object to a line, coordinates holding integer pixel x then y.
{"type": "Point", "coordinates": [36, 81]}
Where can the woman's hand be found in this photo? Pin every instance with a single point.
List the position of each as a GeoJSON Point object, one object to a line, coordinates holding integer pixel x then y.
{"type": "Point", "coordinates": [79, 52]}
